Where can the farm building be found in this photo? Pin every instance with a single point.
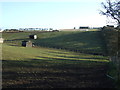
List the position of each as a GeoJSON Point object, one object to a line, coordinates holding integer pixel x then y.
{"type": "Point", "coordinates": [1, 40]}
{"type": "Point", "coordinates": [112, 26]}
{"type": "Point", "coordinates": [55, 30]}
{"type": "Point", "coordinates": [33, 36]}
{"type": "Point", "coordinates": [27, 43]}
{"type": "Point", "coordinates": [84, 28]}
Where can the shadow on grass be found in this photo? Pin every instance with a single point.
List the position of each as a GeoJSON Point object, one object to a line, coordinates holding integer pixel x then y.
{"type": "Point", "coordinates": [54, 74]}
{"type": "Point", "coordinates": [74, 59]}
{"type": "Point", "coordinates": [84, 42]}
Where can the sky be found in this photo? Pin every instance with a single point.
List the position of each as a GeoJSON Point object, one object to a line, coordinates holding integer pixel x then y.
{"type": "Point", "coordinates": [57, 14]}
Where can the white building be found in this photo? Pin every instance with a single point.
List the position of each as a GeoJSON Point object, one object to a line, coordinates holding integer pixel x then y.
{"type": "Point", "coordinates": [35, 36]}
{"type": "Point", "coordinates": [1, 40]}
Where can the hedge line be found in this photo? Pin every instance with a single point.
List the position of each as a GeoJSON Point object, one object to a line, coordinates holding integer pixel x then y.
{"type": "Point", "coordinates": [111, 37]}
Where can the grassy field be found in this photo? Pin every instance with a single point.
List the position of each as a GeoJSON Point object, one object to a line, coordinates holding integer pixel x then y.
{"type": "Point", "coordinates": [58, 60]}
{"type": "Point", "coordinates": [85, 42]}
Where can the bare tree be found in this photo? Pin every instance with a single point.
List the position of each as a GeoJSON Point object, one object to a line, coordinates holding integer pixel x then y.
{"type": "Point", "coordinates": [112, 9]}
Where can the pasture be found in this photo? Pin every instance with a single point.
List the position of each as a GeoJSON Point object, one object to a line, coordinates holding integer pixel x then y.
{"type": "Point", "coordinates": [58, 60]}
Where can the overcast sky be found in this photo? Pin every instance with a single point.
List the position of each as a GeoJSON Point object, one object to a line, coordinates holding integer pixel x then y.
{"type": "Point", "coordinates": [57, 14]}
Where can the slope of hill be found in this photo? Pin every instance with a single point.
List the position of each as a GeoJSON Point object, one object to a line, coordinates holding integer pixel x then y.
{"type": "Point", "coordinates": [85, 42]}
{"type": "Point", "coordinates": [44, 67]}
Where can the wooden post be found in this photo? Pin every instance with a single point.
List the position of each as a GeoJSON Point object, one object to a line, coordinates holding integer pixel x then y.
{"type": "Point", "coordinates": [118, 55]}
{"type": "Point", "coordinates": [118, 66]}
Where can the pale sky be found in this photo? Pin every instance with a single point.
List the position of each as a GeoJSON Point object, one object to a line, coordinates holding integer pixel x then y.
{"type": "Point", "coordinates": [57, 14]}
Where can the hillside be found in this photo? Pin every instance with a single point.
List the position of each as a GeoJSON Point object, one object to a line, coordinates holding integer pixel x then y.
{"type": "Point", "coordinates": [45, 66]}
{"type": "Point", "coordinates": [85, 42]}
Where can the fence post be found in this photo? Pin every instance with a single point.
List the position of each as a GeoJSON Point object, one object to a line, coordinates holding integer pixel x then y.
{"type": "Point", "coordinates": [118, 66]}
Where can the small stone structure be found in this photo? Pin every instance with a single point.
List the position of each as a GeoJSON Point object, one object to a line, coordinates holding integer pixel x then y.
{"type": "Point", "coordinates": [27, 43]}
{"type": "Point", "coordinates": [33, 36]}
{"type": "Point", "coordinates": [1, 40]}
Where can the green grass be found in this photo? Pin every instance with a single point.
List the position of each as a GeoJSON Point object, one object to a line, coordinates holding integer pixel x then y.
{"type": "Point", "coordinates": [85, 42]}
{"type": "Point", "coordinates": [47, 67]}
{"type": "Point", "coordinates": [22, 53]}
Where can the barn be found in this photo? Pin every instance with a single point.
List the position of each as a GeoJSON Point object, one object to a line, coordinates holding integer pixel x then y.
{"type": "Point", "coordinates": [27, 43]}
{"type": "Point", "coordinates": [33, 36]}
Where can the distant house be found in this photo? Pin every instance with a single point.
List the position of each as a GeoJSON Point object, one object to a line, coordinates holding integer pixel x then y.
{"type": "Point", "coordinates": [1, 40]}
{"type": "Point", "coordinates": [84, 28]}
{"type": "Point", "coordinates": [27, 43]}
{"type": "Point", "coordinates": [55, 30]}
{"type": "Point", "coordinates": [110, 26]}
{"type": "Point", "coordinates": [33, 36]}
